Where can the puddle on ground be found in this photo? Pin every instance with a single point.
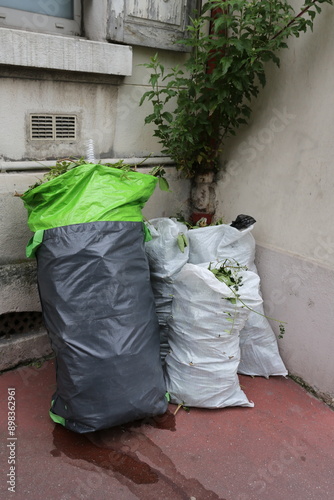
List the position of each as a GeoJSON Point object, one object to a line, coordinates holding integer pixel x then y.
{"type": "Point", "coordinates": [119, 452]}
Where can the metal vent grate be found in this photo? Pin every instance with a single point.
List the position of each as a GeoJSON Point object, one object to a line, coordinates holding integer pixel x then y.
{"type": "Point", "coordinates": [52, 127]}
{"type": "Point", "coordinates": [41, 127]}
{"type": "Point", "coordinates": [65, 127]}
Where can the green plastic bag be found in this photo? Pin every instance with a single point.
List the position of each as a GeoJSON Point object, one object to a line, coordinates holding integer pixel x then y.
{"type": "Point", "coordinates": [88, 193]}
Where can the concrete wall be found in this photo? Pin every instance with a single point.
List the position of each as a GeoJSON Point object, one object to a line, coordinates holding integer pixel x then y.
{"type": "Point", "coordinates": [93, 101]}
{"type": "Point", "coordinates": [280, 170]}
{"type": "Point", "coordinates": [99, 82]}
{"type": "Point", "coordinates": [131, 133]}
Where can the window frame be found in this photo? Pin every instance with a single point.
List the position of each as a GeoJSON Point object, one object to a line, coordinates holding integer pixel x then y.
{"type": "Point", "coordinates": [123, 26]}
{"type": "Point", "coordinates": [42, 23]}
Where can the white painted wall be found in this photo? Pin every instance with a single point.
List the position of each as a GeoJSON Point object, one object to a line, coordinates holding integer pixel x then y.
{"type": "Point", "coordinates": [18, 290]}
{"type": "Point", "coordinates": [101, 83]}
{"type": "Point", "coordinates": [94, 104]}
{"type": "Point", "coordinates": [131, 133]}
{"type": "Point", "coordinates": [280, 170]}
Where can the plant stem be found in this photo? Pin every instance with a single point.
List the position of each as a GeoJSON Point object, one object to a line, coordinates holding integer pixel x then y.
{"type": "Point", "coordinates": [177, 409]}
{"type": "Point", "coordinates": [301, 13]}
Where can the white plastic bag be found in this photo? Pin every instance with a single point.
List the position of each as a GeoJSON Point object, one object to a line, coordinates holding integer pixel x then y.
{"type": "Point", "coordinates": [217, 243]}
{"type": "Point", "coordinates": [259, 350]}
{"type": "Point", "coordinates": [165, 261]}
{"type": "Point", "coordinates": [164, 254]}
{"type": "Point", "coordinates": [201, 369]}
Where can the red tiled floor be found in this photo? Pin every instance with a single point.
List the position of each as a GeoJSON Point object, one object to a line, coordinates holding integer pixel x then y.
{"type": "Point", "coordinates": [282, 449]}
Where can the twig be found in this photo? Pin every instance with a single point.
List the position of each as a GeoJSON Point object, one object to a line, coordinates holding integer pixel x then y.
{"type": "Point", "coordinates": [301, 13]}
{"type": "Point", "coordinates": [177, 409]}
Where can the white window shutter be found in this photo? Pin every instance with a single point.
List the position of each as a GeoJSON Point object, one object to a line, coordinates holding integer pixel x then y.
{"type": "Point", "coordinates": [150, 23]}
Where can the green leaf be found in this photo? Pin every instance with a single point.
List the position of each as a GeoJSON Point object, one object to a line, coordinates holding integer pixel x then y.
{"type": "Point", "coordinates": [154, 79]}
{"type": "Point", "coordinates": [208, 101]}
{"type": "Point", "coordinates": [147, 95]}
{"type": "Point", "coordinates": [163, 184]}
{"type": "Point", "coordinates": [150, 118]}
{"type": "Point", "coordinates": [226, 64]}
{"type": "Point", "coordinates": [167, 116]}
{"type": "Point", "coordinates": [180, 242]}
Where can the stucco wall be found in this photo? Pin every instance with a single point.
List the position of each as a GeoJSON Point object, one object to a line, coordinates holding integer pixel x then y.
{"type": "Point", "coordinates": [17, 279]}
{"type": "Point", "coordinates": [93, 102]}
{"type": "Point", "coordinates": [131, 134]}
{"type": "Point", "coordinates": [280, 170]}
{"type": "Point", "coordinates": [107, 108]}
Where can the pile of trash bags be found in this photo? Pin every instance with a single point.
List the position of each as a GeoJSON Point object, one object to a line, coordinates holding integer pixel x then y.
{"type": "Point", "coordinates": [140, 313]}
{"type": "Point", "coordinates": [210, 332]}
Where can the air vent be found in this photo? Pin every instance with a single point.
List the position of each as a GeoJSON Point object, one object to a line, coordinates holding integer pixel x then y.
{"type": "Point", "coordinates": [41, 127]}
{"type": "Point", "coordinates": [65, 127]}
{"type": "Point", "coordinates": [52, 127]}
{"type": "Point", "coordinates": [20, 322]}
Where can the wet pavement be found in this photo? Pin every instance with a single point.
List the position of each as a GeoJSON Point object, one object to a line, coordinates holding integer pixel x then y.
{"type": "Point", "coordinates": [282, 449]}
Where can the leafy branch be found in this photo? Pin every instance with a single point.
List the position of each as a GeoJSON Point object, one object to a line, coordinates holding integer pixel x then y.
{"type": "Point", "coordinates": [195, 108]}
{"type": "Point", "coordinates": [228, 273]}
{"type": "Point", "coordinates": [66, 164]}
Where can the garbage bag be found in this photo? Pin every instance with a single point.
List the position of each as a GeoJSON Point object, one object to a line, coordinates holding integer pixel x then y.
{"type": "Point", "coordinates": [201, 368]}
{"type": "Point", "coordinates": [165, 261]}
{"type": "Point", "coordinates": [88, 193]}
{"type": "Point", "coordinates": [259, 350]}
{"type": "Point", "coordinates": [217, 243]}
{"type": "Point", "coordinates": [96, 296]}
{"type": "Point", "coordinates": [99, 310]}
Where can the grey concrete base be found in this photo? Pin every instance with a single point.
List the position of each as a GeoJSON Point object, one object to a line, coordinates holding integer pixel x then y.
{"type": "Point", "coordinates": [18, 287]}
{"type": "Point", "coordinates": [24, 348]}
{"type": "Point", "coordinates": [300, 292]}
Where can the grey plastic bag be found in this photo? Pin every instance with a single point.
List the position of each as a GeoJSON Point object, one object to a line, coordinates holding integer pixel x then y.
{"type": "Point", "coordinates": [99, 310]}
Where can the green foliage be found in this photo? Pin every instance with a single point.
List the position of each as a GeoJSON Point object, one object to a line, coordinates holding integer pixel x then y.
{"type": "Point", "coordinates": [182, 241]}
{"type": "Point", "coordinates": [228, 272]}
{"type": "Point", "coordinates": [61, 167]}
{"type": "Point", "coordinates": [281, 331]}
{"type": "Point", "coordinates": [160, 172]}
{"type": "Point", "coordinates": [225, 70]}
{"type": "Point", "coordinates": [67, 164]}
